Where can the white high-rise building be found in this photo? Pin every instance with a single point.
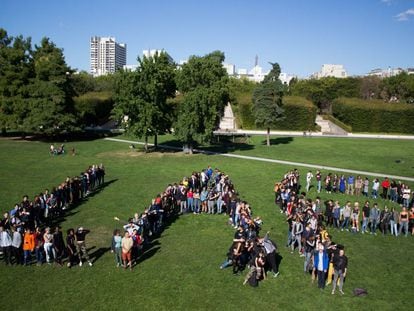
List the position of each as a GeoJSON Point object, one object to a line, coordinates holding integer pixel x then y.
{"type": "Point", "coordinates": [151, 53]}
{"type": "Point", "coordinates": [230, 68]}
{"type": "Point", "coordinates": [329, 70]}
{"type": "Point", "coordinates": [107, 56]}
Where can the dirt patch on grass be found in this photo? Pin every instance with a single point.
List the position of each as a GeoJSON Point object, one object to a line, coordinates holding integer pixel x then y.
{"type": "Point", "coordinates": [137, 154]}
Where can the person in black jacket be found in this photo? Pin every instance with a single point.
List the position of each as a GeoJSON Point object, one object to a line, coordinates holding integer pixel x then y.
{"type": "Point", "coordinates": [58, 244]}
{"type": "Point", "coordinates": [340, 263]}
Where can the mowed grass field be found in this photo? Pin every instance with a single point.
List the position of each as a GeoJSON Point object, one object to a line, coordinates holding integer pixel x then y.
{"type": "Point", "coordinates": [181, 270]}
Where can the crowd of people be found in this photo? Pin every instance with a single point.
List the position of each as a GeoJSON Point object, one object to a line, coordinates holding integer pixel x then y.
{"type": "Point", "coordinates": [392, 190]}
{"type": "Point", "coordinates": [351, 216]}
{"type": "Point", "coordinates": [210, 192]}
{"type": "Point", "coordinates": [308, 234]}
{"type": "Point", "coordinates": [29, 232]}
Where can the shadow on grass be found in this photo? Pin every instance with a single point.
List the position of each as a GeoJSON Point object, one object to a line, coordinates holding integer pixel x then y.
{"type": "Point", "coordinates": [151, 248]}
{"type": "Point", "coordinates": [71, 210]}
{"type": "Point", "coordinates": [226, 145]}
{"type": "Point", "coordinates": [278, 141]}
{"type": "Point", "coordinates": [94, 256]}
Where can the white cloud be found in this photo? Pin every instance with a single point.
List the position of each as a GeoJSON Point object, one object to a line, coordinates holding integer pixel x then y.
{"type": "Point", "coordinates": [386, 1]}
{"type": "Point", "coordinates": [405, 16]}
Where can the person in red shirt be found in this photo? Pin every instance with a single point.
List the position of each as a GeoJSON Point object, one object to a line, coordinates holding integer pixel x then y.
{"type": "Point", "coordinates": [385, 186]}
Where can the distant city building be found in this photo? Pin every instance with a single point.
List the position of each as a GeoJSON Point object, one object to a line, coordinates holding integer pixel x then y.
{"type": "Point", "coordinates": [151, 53]}
{"type": "Point", "coordinates": [230, 68]}
{"type": "Point", "coordinates": [130, 67]}
{"type": "Point", "coordinates": [330, 70]}
{"type": "Point", "coordinates": [410, 71]}
{"type": "Point", "coordinates": [286, 78]}
{"type": "Point", "coordinates": [107, 56]}
{"type": "Point", "coordinates": [384, 73]}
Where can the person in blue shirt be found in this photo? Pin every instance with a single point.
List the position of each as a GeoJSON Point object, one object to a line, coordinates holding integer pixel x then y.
{"type": "Point", "coordinates": [320, 265]}
{"type": "Point", "coordinates": [350, 181]}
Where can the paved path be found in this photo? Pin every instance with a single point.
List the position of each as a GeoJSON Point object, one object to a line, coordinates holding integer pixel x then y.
{"type": "Point", "coordinates": [314, 134]}
{"type": "Point", "coordinates": [293, 164]}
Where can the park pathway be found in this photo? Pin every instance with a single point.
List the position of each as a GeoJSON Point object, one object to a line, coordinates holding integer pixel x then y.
{"type": "Point", "coordinates": [293, 164]}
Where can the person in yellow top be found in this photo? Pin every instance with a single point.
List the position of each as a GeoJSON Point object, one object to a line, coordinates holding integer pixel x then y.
{"type": "Point", "coordinates": [126, 245]}
{"type": "Point", "coordinates": [28, 246]}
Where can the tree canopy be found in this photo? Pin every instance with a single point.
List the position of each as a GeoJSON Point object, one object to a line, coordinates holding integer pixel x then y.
{"type": "Point", "coordinates": [268, 100]}
{"type": "Point", "coordinates": [141, 96]}
{"type": "Point", "coordinates": [203, 83]}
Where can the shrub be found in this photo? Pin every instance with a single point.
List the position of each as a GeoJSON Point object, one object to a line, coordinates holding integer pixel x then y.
{"type": "Point", "coordinates": [93, 107]}
{"type": "Point", "coordinates": [374, 115]}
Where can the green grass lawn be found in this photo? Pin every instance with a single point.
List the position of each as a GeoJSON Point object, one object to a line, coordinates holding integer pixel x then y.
{"type": "Point", "coordinates": [181, 270]}
{"type": "Point", "coordinates": [372, 155]}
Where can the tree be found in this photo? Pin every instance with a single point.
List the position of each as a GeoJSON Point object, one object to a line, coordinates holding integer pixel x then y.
{"type": "Point", "coordinates": [267, 100]}
{"type": "Point", "coordinates": [203, 83]}
{"type": "Point", "coordinates": [141, 96]}
{"type": "Point", "coordinates": [50, 108]}
{"type": "Point", "coordinates": [16, 71]}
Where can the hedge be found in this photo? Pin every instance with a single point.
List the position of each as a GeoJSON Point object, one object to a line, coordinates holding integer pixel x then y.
{"type": "Point", "coordinates": [374, 115]}
{"type": "Point", "coordinates": [300, 114]}
{"type": "Point", "coordinates": [93, 107]}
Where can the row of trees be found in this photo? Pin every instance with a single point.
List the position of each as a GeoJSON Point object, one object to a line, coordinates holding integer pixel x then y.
{"type": "Point", "coordinates": [323, 91]}
{"type": "Point", "coordinates": [40, 94]}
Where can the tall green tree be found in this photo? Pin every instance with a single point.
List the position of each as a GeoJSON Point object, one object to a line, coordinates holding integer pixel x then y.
{"type": "Point", "coordinates": [203, 83]}
{"type": "Point", "coordinates": [267, 100]}
{"type": "Point", "coordinates": [141, 97]}
{"type": "Point", "coordinates": [16, 72]}
{"type": "Point", "coordinates": [50, 110]}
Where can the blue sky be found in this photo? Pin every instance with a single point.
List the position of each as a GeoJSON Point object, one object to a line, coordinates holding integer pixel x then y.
{"type": "Point", "coordinates": [300, 35]}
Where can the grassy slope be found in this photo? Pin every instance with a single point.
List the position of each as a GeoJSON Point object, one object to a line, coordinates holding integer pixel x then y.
{"type": "Point", "coordinates": [182, 269]}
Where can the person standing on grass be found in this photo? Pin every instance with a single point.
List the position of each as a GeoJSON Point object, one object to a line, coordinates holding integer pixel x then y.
{"type": "Point", "coordinates": [374, 216]}
{"type": "Point", "coordinates": [71, 247]}
{"type": "Point", "coordinates": [385, 186]}
{"type": "Point", "coordinates": [320, 265]}
{"type": "Point", "coordinates": [394, 220]}
{"type": "Point", "coordinates": [28, 246]}
{"type": "Point", "coordinates": [350, 182]}
{"type": "Point", "coordinates": [365, 217]}
{"type": "Point", "coordinates": [5, 245]}
{"type": "Point", "coordinates": [355, 217]}
{"type": "Point", "coordinates": [365, 190]}
{"type": "Point", "coordinates": [347, 215]}
{"type": "Point", "coordinates": [116, 247]}
{"type": "Point", "coordinates": [404, 221]}
{"type": "Point", "coordinates": [58, 245]}
{"type": "Point", "coordinates": [126, 245]}
{"type": "Point", "coordinates": [342, 184]}
{"type": "Point", "coordinates": [406, 193]}
{"type": "Point", "coordinates": [271, 251]}
{"type": "Point", "coordinates": [358, 185]}
{"type": "Point", "coordinates": [16, 245]}
{"type": "Point", "coordinates": [411, 219]}
{"type": "Point", "coordinates": [309, 177]}
{"type": "Point", "coordinates": [318, 176]}
{"type": "Point", "coordinates": [297, 230]}
{"type": "Point", "coordinates": [80, 236]}
{"type": "Point", "coordinates": [375, 188]}
{"type": "Point", "coordinates": [340, 263]}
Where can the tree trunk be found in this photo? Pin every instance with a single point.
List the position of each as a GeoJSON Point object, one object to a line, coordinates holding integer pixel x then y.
{"type": "Point", "coordinates": [155, 141]}
{"type": "Point", "coordinates": [146, 144]}
{"type": "Point", "coordinates": [268, 137]}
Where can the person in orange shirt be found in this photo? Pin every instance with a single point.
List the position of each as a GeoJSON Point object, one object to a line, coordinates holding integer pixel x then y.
{"type": "Point", "coordinates": [28, 245]}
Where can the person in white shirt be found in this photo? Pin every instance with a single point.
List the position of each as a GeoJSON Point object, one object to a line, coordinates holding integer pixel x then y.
{"type": "Point", "coordinates": [309, 177]}
{"type": "Point", "coordinates": [5, 245]}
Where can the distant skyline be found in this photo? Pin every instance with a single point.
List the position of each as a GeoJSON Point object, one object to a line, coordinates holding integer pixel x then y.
{"type": "Point", "coordinates": [300, 35]}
